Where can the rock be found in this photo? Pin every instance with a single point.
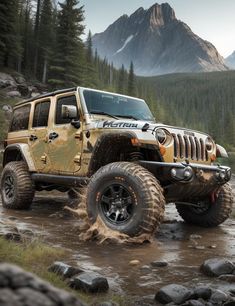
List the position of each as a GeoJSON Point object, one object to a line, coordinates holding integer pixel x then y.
{"type": "Point", "coordinates": [173, 293]}
{"type": "Point", "coordinates": [9, 298]}
{"type": "Point", "coordinates": [6, 80]}
{"type": "Point", "coordinates": [193, 303]}
{"type": "Point", "coordinates": [158, 264]}
{"type": "Point", "coordinates": [13, 94]}
{"type": "Point", "coordinates": [20, 288]}
{"type": "Point", "coordinates": [134, 262]}
{"type": "Point", "coordinates": [35, 298]}
{"type": "Point", "coordinates": [217, 267]}
{"type": "Point", "coordinates": [23, 89]}
{"type": "Point", "coordinates": [145, 268]}
{"type": "Point", "coordinates": [202, 292]}
{"type": "Point", "coordinates": [218, 297]}
{"type": "Point", "coordinates": [195, 236]}
{"type": "Point", "coordinates": [13, 236]}
{"type": "Point", "coordinates": [90, 282]}
{"type": "Point", "coordinates": [229, 303]}
{"type": "Point", "coordinates": [228, 278]}
{"type": "Point", "coordinates": [66, 271]}
{"type": "Point", "coordinates": [20, 79]}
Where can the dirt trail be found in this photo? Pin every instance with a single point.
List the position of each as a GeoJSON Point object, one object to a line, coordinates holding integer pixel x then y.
{"type": "Point", "coordinates": [184, 248]}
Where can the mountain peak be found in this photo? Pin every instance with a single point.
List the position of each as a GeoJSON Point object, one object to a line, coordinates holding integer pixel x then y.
{"type": "Point", "coordinates": [157, 43]}
{"type": "Point", "coordinates": [161, 14]}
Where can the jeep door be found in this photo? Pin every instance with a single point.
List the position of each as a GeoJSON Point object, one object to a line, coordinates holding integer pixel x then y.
{"type": "Point", "coordinates": [64, 140]}
{"type": "Point", "coordinates": [38, 131]}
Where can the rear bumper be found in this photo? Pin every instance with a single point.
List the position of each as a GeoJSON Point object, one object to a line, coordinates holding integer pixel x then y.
{"type": "Point", "coordinates": [188, 181]}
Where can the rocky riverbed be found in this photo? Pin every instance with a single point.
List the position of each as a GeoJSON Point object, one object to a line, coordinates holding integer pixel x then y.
{"type": "Point", "coordinates": [135, 271]}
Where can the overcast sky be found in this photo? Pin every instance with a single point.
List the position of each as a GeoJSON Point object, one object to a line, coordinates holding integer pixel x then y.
{"type": "Point", "coordinates": [213, 20]}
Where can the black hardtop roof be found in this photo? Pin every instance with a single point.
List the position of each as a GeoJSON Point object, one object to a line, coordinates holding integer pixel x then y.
{"type": "Point", "coordinates": [49, 94]}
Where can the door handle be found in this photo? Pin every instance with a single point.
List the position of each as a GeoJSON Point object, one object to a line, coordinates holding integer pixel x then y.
{"type": "Point", "coordinates": [33, 137]}
{"type": "Point", "coordinates": [53, 135]}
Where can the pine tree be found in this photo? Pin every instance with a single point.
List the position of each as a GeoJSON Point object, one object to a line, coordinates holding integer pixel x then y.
{"type": "Point", "coordinates": [121, 81]}
{"type": "Point", "coordinates": [46, 37]}
{"type": "Point", "coordinates": [131, 88]}
{"type": "Point", "coordinates": [68, 66]}
{"type": "Point", "coordinates": [10, 43]}
{"type": "Point", "coordinates": [36, 36]}
{"type": "Point", "coordinates": [91, 73]}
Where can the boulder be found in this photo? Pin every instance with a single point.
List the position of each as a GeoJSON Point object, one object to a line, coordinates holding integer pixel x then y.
{"type": "Point", "coordinates": [20, 79]}
{"type": "Point", "coordinates": [217, 267]}
{"type": "Point", "coordinates": [158, 264]}
{"type": "Point", "coordinates": [13, 94]}
{"type": "Point", "coordinates": [6, 80]}
{"type": "Point", "coordinates": [20, 288]}
{"type": "Point", "coordinates": [193, 303]}
{"type": "Point", "coordinates": [202, 292]}
{"type": "Point", "coordinates": [230, 278]}
{"type": "Point", "coordinates": [91, 282]}
{"type": "Point", "coordinates": [173, 293]}
{"type": "Point", "coordinates": [23, 90]}
{"type": "Point", "coordinates": [66, 271]}
{"type": "Point", "coordinates": [218, 297]}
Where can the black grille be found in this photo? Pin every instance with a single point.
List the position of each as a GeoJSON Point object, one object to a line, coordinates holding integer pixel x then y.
{"type": "Point", "coordinates": [189, 147]}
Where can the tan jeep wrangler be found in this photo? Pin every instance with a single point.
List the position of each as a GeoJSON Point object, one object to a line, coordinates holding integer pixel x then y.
{"type": "Point", "coordinates": [132, 165]}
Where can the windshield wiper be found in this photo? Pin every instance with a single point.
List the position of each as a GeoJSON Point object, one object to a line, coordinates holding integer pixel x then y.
{"type": "Point", "coordinates": [128, 117]}
{"type": "Point", "coordinates": [103, 113]}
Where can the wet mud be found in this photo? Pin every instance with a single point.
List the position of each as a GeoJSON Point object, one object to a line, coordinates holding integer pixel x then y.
{"type": "Point", "coordinates": [128, 265]}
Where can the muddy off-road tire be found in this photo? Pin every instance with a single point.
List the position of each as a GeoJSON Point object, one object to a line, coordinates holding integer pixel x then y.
{"type": "Point", "coordinates": [127, 198]}
{"type": "Point", "coordinates": [17, 189]}
{"type": "Point", "coordinates": [212, 213]}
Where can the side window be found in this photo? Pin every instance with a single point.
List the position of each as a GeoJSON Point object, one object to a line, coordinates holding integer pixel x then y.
{"type": "Point", "coordinates": [20, 119]}
{"type": "Point", "coordinates": [70, 100]}
{"type": "Point", "coordinates": [41, 114]}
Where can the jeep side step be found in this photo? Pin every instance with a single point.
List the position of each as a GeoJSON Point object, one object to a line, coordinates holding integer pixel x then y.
{"type": "Point", "coordinates": [64, 180]}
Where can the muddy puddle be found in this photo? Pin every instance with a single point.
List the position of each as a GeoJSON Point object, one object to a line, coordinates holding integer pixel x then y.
{"type": "Point", "coordinates": [183, 247]}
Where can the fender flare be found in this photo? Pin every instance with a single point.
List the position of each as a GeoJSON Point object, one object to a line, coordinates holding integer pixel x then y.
{"type": "Point", "coordinates": [23, 150]}
{"type": "Point", "coordinates": [101, 143]}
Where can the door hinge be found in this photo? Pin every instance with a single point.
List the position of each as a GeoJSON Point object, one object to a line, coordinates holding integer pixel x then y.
{"type": "Point", "coordinates": [44, 158]}
{"type": "Point", "coordinates": [77, 159]}
{"type": "Point", "coordinates": [79, 135]}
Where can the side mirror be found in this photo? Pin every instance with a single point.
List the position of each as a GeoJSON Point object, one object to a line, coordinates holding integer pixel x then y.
{"type": "Point", "coordinates": [69, 112]}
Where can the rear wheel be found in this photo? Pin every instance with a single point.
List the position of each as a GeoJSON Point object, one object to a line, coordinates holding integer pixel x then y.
{"type": "Point", "coordinates": [209, 213]}
{"type": "Point", "coordinates": [17, 188]}
{"type": "Point", "coordinates": [127, 198]}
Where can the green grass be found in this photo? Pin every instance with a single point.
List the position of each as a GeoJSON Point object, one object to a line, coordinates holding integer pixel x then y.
{"type": "Point", "coordinates": [36, 257]}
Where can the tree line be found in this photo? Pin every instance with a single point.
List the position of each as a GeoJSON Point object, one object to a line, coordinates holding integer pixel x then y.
{"type": "Point", "coordinates": [43, 40]}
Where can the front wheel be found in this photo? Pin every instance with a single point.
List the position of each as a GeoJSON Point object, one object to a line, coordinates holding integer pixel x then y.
{"type": "Point", "coordinates": [127, 198]}
{"type": "Point", "coordinates": [209, 213]}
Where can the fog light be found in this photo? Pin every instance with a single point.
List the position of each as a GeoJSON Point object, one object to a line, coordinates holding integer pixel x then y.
{"type": "Point", "coordinates": [173, 172]}
{"type": "Point", "coordinates": [188, 173]}
{"type": "Point", "coordinates": [222, 175]}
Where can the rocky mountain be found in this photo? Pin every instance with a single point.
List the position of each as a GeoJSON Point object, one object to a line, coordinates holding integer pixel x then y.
{"type": "Point", "coordinates": [157, 43]}
{"type": "Point", "coordinates": [230, 61]}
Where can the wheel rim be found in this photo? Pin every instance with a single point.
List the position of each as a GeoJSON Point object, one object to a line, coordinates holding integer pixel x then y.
{"type": "Point", "coordinates": [8, 187]}
{"type": "Point", "coordinates": [116, 204]}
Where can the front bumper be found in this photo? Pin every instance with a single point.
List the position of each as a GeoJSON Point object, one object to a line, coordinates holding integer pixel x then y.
{"type": "Point", "coordinates": [187, 181]}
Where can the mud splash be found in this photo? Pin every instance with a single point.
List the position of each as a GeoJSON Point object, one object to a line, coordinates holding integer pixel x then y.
{"type": "Point", "coordinates": [98, 231]}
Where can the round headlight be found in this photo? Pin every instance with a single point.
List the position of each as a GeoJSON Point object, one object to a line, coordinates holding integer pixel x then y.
{"type": "Point", "coordinates": [161, 136]}
{"type": "Point", "coordinates": [209, 144]}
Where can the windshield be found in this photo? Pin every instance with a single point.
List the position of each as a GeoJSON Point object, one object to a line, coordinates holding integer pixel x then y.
{"type": "Point", "coordinates": [116, 106]}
